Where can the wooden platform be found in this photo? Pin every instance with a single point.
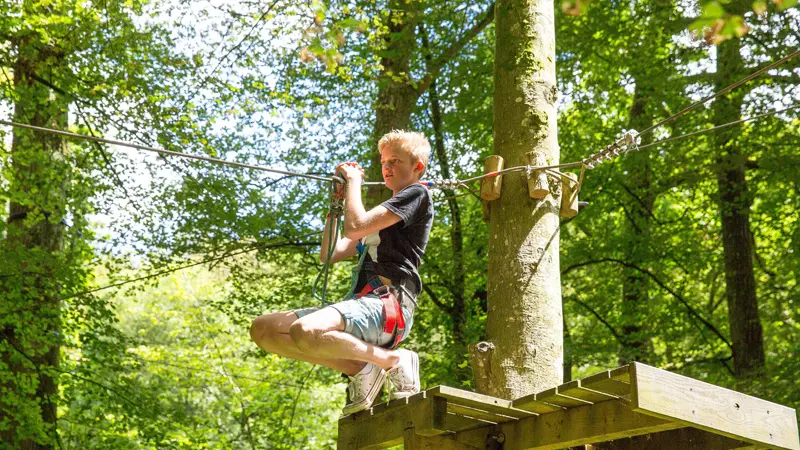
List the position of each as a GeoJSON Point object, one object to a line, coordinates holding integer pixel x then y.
{"type": "Point", "coordinates": [632, 407]}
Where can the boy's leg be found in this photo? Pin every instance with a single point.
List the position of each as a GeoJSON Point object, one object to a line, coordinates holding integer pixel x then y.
{"type": "Point", "coordinates": [271, 333]}
{"type": "Point", "coordinates": [321, 334]}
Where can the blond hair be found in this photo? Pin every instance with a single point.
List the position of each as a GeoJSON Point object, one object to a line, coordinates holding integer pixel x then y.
{"type": "Point", "coordinates": [411, 142]}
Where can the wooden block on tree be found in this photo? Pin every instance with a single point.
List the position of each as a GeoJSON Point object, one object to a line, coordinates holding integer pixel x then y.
{"type": "Point", "coordinates": [538, 186]}
{"type": "Point", "coordinates": [491, 186]}
{"type": "Point", "coordinates": [712, 408]}
{"type": "Point", "coordinates": [569, 196]}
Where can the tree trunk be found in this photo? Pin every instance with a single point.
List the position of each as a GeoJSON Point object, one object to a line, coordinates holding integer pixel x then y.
{"type": "Point", "coordinates": [524, 324]}
{"type": "Point", "coordinates": [397, 94]}
{"type": "Point", "coordinates": [734, 204]}
{"type": "Point", "coordinates": [458, 281]}
{"type": "Point", "coordinates": [37, 181]}
{"type": "Point", "coordinates": [635, 339]}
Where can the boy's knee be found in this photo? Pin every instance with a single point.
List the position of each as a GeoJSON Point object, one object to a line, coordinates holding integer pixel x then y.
{"type": "Point", "coordinates": [259, 329]}
{"type": "Point", "coordinates": [303, 335]}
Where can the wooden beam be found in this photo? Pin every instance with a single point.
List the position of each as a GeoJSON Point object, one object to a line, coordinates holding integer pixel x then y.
{"type": "Point", "coordinates": [712, 408]}
{"type": "Point", "coordinates": [579, 426]}
{"type": "Point", "coordinates": [616, 382]}
{"type": "Point", "coordinates": [384, 425]}
{"type": "Point", "coordinates": [554, 397]}
{"type": "Point", "coordinates": [478, 401]}
{"type": "Point", "coordinates": [444, 421]}
{"type": "Point", "coordinates": [575, 389]}
{"type": "Point", "coordinates": [681, 438]}
{"type": "Point", "coordinates": [466, 411]}
{"type": "Point", "coordinates": [413, 441]}
{"type": "Point", "coordinates": [534, 405]}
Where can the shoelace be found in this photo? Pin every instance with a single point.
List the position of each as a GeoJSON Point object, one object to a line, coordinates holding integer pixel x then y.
{"type": "Point", "coordinates": [399, 380]}
{"type": "Point", "coordinates": [354, 388]}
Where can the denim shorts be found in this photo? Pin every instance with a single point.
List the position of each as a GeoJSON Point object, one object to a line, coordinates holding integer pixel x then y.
{"type": "Point", "coordinates": [364, 317]}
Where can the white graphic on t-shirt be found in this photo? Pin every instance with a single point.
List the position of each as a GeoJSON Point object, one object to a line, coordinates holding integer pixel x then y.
{"type": "Point", "coordinates": [373, 241]}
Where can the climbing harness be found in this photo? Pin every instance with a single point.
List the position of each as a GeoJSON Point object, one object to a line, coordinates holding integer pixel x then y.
{"type": "Point", "coordinates": [395, 325]}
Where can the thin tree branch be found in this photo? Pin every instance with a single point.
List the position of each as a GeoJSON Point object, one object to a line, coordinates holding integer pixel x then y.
{"type": "Point", "coordinates": [598, 316]}
{"type": "Point", "coordinates": [435, 299]}
{"type": "Point", "coordinates": [436, 65]}
{"type": "Point", "coordinates": [691, 310]}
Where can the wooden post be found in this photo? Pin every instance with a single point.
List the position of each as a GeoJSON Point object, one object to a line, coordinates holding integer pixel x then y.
{"type": "Point", "coordinates": [538, 187]}
{"type": "Point", "coordinates": [569, 196]}
{"type": "Point", "coordinates": [523, 276]}
{"type": "Point", "coordinates": [491, 186]}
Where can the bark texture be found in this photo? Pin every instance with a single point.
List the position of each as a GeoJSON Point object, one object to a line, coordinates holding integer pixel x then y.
{"type": "Point", "coordinates": [34, 240]}
{"type": "Point", "coordinates": [734, 205]}
{"type": "Point", "coordinates": [635, 342]}
{"type": "Point", "coordinates": [397, 94]}
{"type": "Point", "coordinates": [524, 321]}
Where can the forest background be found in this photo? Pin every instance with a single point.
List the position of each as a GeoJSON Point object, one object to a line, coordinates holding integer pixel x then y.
{"type": "Point", "coordinates": [647, 267]}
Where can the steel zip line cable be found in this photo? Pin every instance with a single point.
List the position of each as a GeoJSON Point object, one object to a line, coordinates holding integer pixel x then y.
{"type": "Point", "coordinates": [589, 162]}
{"type": "Point", "coordinates": [610, 152]}
{"type": "Point", "coordinates": [723, 91]}
{"type": "Point", "coordinates": [162, 151]}
{"type": "Point", "coordinates": [724, 125]}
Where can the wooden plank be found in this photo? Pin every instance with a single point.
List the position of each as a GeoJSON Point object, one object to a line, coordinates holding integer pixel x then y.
{"type": "Point", "coordinates": [552, 396]}
{"type": "Point", "coordinates": [445, 421]}
{"type": "Point", "coordinates": [532, 404]}
{"type": "Point", "coordinates": [583, 425]}
{"type": "Point", "coordinates": [385, 428]}
{"type": "Point", "coordinates": [377, 409]}
{"type": "Point", "coordinates": [477, 413]}
{"type": "Point", "coordinates": [575, 389]}
{"type": "Point", "coordinates": [413, 441]}
{"type": "Point", "coordinates": [478, 401]}
{"type": "Point", "coordinates": [622, 373]}
{"type": "Point", "coordinates": [607, 383]}
{"type": "Point", "coordinates": [682, 438]}
{"type": "Point", "coordinates": [712, 408]}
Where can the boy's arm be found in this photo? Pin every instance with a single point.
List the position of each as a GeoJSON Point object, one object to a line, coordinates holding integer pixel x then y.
{"type": "Point", "coordinates": [359, 222]}
{"type": "Point", "coordinates": [345, 248]}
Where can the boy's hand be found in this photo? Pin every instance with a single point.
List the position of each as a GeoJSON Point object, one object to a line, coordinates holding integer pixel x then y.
{"type": "Point", "coordinates": [352, 172]}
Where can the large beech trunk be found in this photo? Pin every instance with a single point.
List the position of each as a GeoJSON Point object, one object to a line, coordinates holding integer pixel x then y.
{"type": "Point", "coordinates": [524, 349]}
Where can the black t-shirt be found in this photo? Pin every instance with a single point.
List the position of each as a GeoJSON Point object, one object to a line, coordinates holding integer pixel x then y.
{"type": "Point", "coordinates": [396, 251]}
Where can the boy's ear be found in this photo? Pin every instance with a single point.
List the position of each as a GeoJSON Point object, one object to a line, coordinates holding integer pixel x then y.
{"type": "Point", "coordinates": [419, 166]}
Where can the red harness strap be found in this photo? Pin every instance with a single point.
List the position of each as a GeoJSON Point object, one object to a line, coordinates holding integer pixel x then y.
{"type": "Point", "coordinates": [395, 326]}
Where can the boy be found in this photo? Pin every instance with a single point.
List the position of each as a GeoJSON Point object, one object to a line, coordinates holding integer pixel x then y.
{"type": "Point", "coordinates": [358, 335]}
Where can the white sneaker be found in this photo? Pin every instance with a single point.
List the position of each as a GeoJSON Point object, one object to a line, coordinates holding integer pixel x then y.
{"type": "Point", "coordinates": [364, 388]}
{"type": "Point", "coordinates": [404, 377]}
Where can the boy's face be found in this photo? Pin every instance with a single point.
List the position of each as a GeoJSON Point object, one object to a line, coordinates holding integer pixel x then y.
{"type": "Point", "coordinates": [398, 168]}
